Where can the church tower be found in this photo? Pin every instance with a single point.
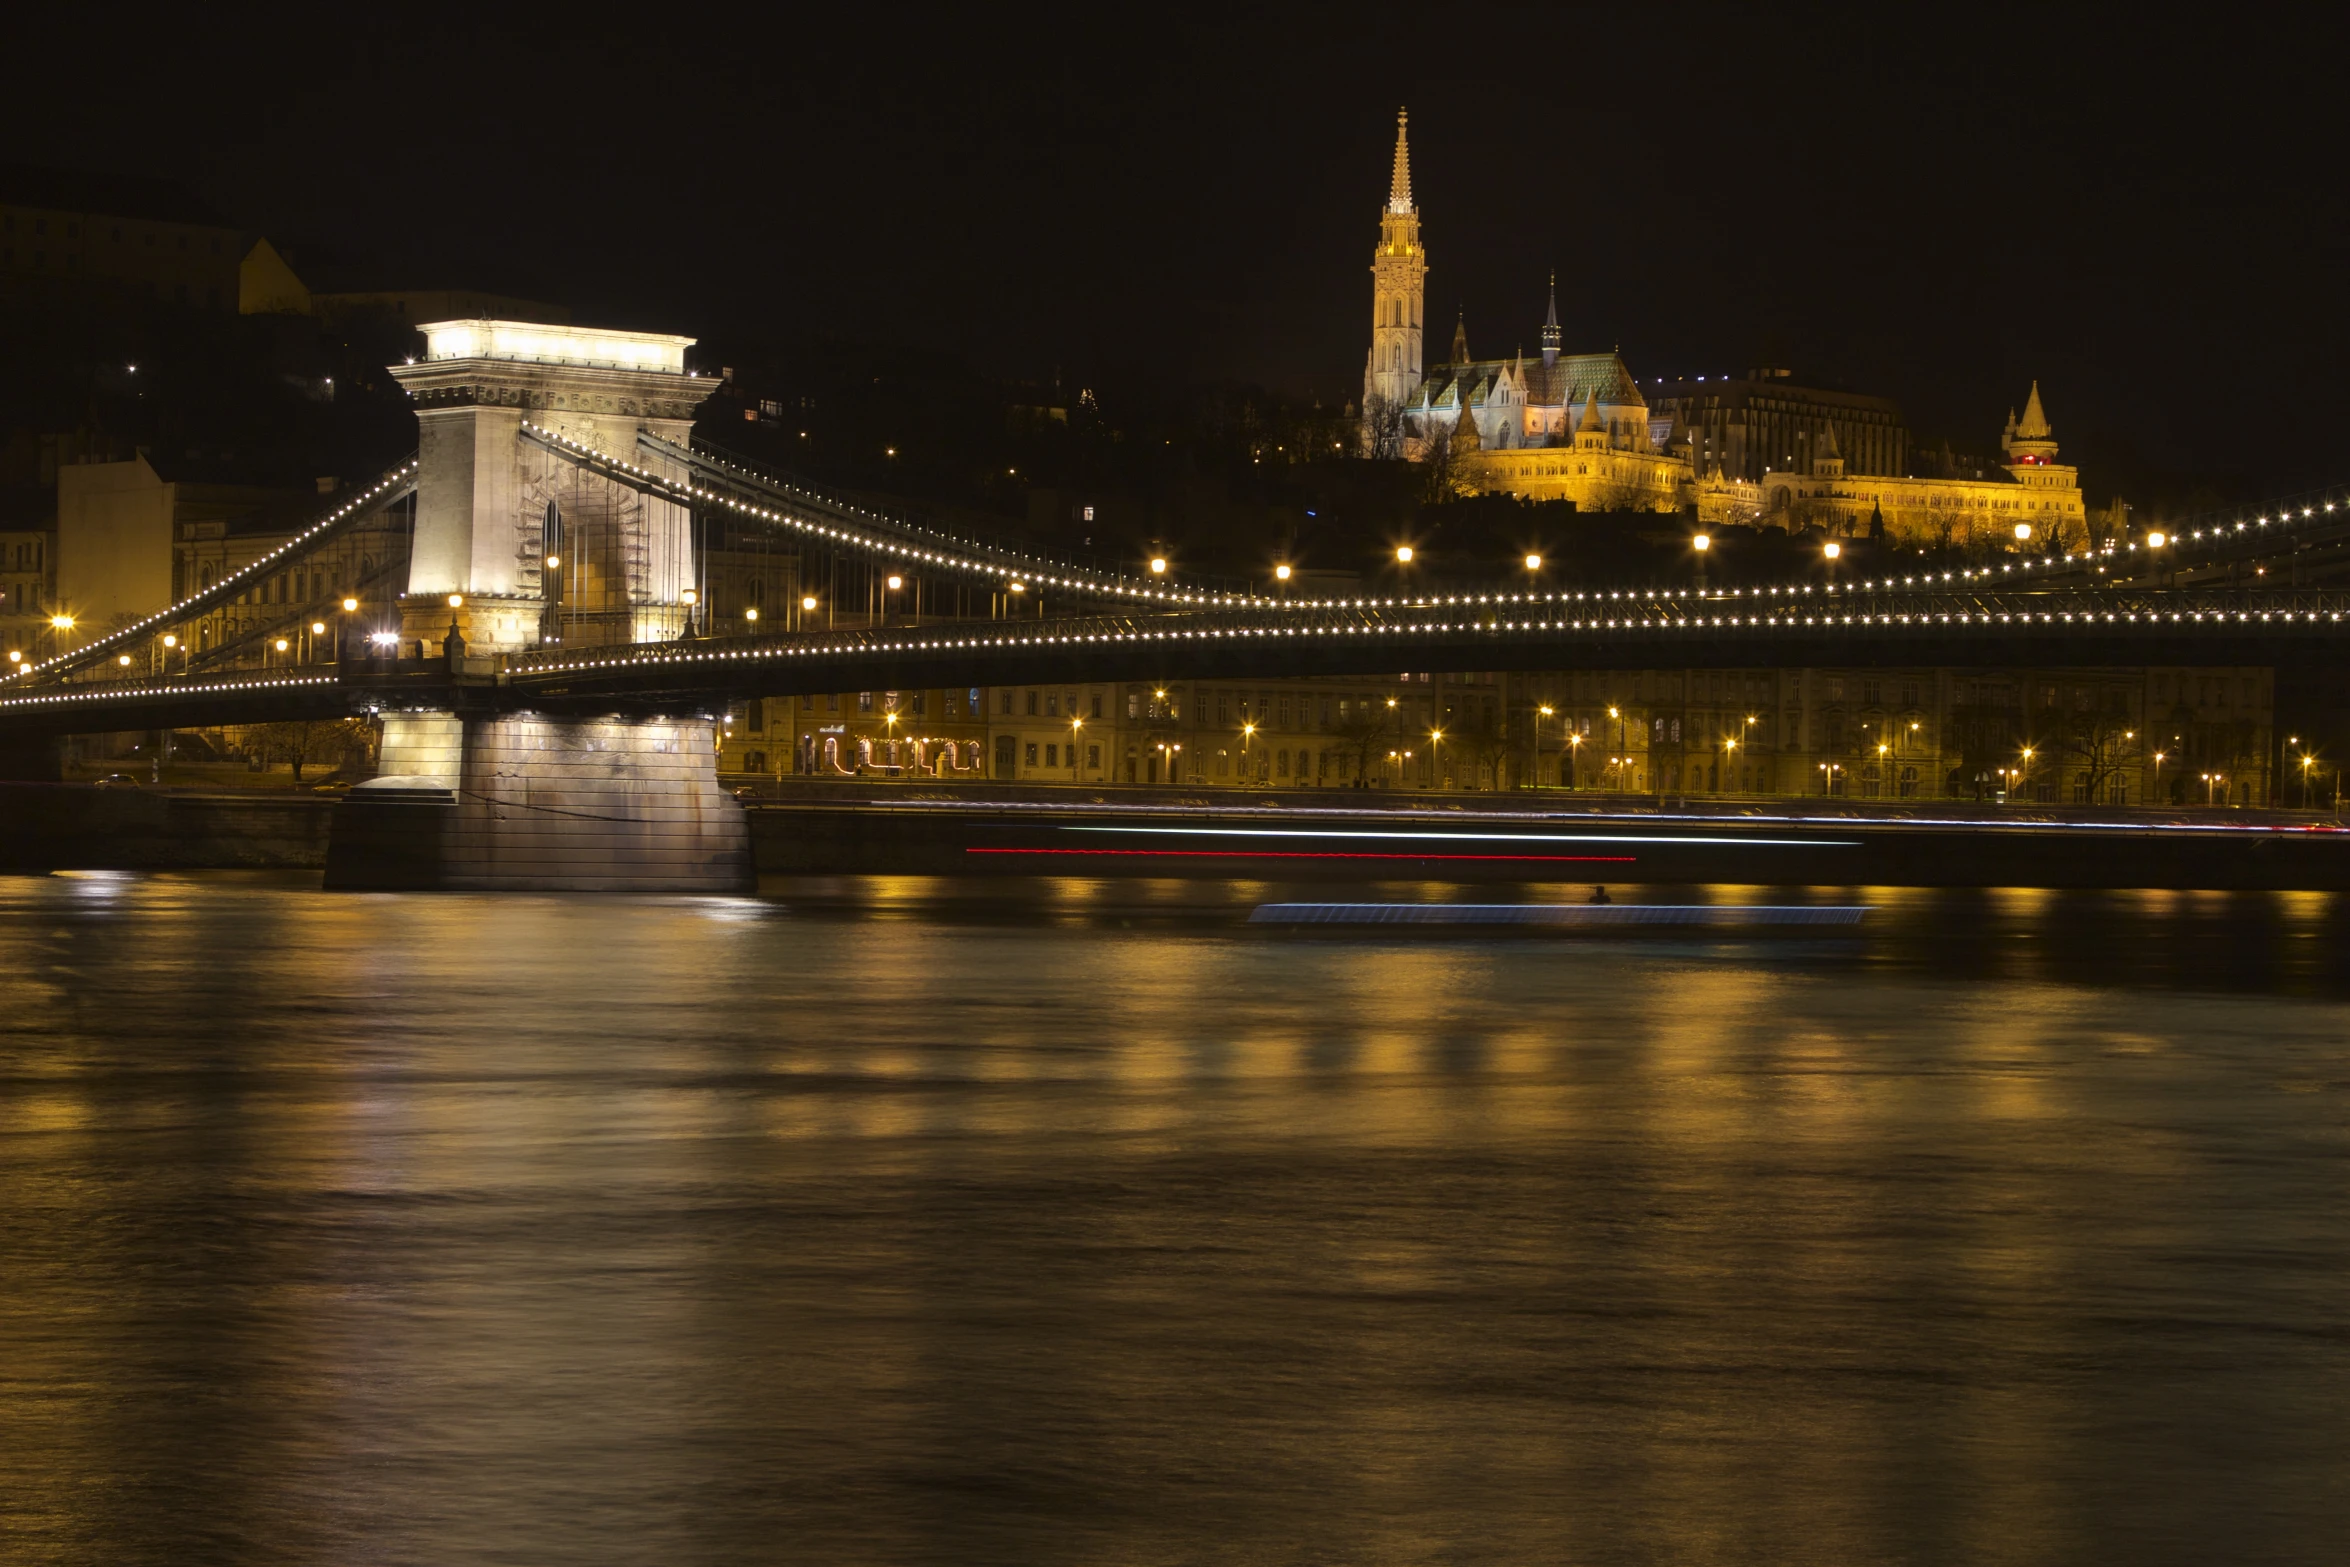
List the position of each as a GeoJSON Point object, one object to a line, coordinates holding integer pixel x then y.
{"type": "Point", "coordinates": [1399, 268]}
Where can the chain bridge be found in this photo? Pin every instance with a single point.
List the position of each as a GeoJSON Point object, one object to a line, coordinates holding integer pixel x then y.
{"type": "Point", "coordinates": [527, 604]}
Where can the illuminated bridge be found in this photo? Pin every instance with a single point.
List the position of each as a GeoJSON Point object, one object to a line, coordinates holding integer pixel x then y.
{"type": "Point", "coordinates": [530, 603]}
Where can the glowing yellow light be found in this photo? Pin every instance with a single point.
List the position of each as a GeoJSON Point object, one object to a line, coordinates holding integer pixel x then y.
{"type": "Point", "coordinates": [2157, 539]}
{"type": "Point", "coordinates": [318, 628]}
{"type": "Point", "coordinates": [751, 612]}
{"type": "Point", "coordinates": [1281, 572]}
{"type": "Point", "coordinates": [808, 602]}
{"type": "Point", "coordinates": [1019, 587]}
{"type": "Point", "coordinates": [1403, 554]}
{"type": "Point", "coordinates": [456, 601]}
{"type": "Point", "coordinates": [61, 622]}
{"type": "Point", "coordinates": [1833, 549]}
{"type": "Point", "coordinates": [691, 597]}
{"type": "Point", "coordinates": [1533, 562]}
{"type": "Point", "coordinates": [1158, 564]}
{"type": "Point", "coordinates": [554, 562]}
{"type": "Point", "coordinates": [281, 644]}
{"type": "Point", "coordinates": [1702, 543]}
{"type": "Point", "coordinates": [168, 641]}
{"type": "Point", "coordinates": [2023, 531]}
{"type": "Point", "coordinates": [1545, 710]}
{"type": "Point", "coordinates": [124, 659]}
{"type": "Point", "coordinates": [14, 657]}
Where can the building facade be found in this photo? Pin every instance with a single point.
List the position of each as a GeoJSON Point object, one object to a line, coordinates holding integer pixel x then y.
{"type": "Point", "coordinates": [2125, 736]}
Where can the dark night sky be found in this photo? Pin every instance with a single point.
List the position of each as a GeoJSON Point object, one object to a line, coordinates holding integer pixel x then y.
{"type": "Point", "coordinates": [2146, 216]}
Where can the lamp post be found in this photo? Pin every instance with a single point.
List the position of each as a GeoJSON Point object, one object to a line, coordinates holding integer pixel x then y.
{"type": "Point", "coordinates": [1729, 762]}
{"type": "Point", "coordinates": [2024, 770]}
{"type": "Point", "coordinates": [1076, 725]}
{"type": "Point", "coordinates": [1541, 711]}
{"type": "Point", "coordinates": [1436, 755]}
{"type": "Point", "coordinates": [2157, 792]}
{"type": "Point", "coordinates": [1702, 543]}
{"type": "Point", "coordinates": [1574, 755]}
{"type": "Point", "coordinates": [2307, 762]}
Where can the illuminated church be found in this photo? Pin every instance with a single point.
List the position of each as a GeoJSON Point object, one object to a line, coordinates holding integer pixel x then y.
{"type": "Point", "coordinates": [1760, 449]}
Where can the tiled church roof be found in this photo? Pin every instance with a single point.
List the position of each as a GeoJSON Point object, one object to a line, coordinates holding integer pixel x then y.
{"type": "Point", "coordinates": [1571, 380]}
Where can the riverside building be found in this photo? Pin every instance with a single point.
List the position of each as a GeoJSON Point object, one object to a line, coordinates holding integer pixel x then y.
{"type": "Point", "coordinates": [2121, 736]}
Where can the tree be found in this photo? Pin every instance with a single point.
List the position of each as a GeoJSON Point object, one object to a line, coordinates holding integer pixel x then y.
{"type": "Point", "coordinates": [1363, 734]}
{"type": "Point", "coordinates": [2100, 744]}
{"type": "Point", "coordinates": [1383, 428]}
{"type": "Point", "coordinates": [303, 741]}
{"type": "Point", "coordinates": [1477, 739]}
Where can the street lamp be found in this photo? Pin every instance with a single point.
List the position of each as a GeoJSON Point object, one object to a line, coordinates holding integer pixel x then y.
{"type": "Point", "coordinates": [751, 613]}
{"type": "Point", "coordinates": [1436, 753]}
{"type": "Point", "coordinates": [2023, 533]}
{"type": "Point", "coordinates": [1574, 751]}
{"type": "Point", "coordinates": [2307, 762]}
{"type": "Point", "coordinates": [1533, 562]}
{"type": "Point", "coordinates": [1075, 724]}
{"type": "Point", "coordinates": [1540, 713]}
{"type": "Point", "coordinates": [1158, 565]}
{"type": "Point", "coordinates": [1701, 543]}
{"type": "Point", "coordinates": [1403, 554]}
{"type": "Point", "coordinates": [2157, 791]}
{"type": "Point", "coordinates": [349, 604]}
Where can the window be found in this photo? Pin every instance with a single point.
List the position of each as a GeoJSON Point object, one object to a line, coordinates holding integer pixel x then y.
{"type": "Point", "coordinates": [1007, 704]}
{"type": "Point", "coordinates": [1052, 704]}
{"type": "Point", "coordinates": [1032, 704]}
{"type": "Point", "coordinates": [1133, 704]}
{"type": "Point", "coordinates": [921, 702]}
{"type": "Point", "coordinates": [1835, 688]}
{"type": "Point", "coordinates": [1868, 693]}
{"type": "Point", "coordinates": [1052, 755]}
{"type": "Point", "coordinates": [1093, 756]}
{"type": "Point", "coordinates": [1909, 693]}
{"type": "Point", "coordinates": [864, 701]}
{"type": "Point", "coordinates": [973, 709]}
{"type": "Point", "coordinates": [1032, 753]}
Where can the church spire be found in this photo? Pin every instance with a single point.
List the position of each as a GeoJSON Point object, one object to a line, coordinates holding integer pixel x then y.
{"type": "Point", "coordinates": [1460, 337]}
{"type": "Point", "coordinates": [1399, 188]}
{"type": "Point", "coordinates": [1399, 271]}
{"type": "Point", "coordinates": [1550, 325]}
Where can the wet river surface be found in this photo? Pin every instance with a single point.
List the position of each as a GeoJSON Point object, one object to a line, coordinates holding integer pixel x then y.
{"type": "Point", "coordinates": [1077, 1221]}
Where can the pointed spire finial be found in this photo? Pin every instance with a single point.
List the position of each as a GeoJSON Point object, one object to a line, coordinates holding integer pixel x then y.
{"type": "Point", "coordinates": [1550, 322]}
{"type": "Point", "coordinates": [2034, 425]}
{"type": "Point", "coordinates": [1399, 188]}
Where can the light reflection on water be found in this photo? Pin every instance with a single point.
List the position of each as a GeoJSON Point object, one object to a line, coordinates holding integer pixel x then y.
{"type": "Point", "coordinates": [930, 1220]}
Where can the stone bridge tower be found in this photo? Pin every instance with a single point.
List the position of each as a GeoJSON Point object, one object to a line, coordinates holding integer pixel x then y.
{"type": "Point", "coordinates": [510, 539]}
{"type": "Point", "coordinates": [491, 506]}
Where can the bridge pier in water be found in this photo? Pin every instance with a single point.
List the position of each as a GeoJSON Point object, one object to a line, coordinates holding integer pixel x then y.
{"type": "Point", "coordinates": [528, 802]}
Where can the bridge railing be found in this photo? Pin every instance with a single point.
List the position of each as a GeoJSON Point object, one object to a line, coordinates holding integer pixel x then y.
{"type": "Point", "coordinates": [355, 512]}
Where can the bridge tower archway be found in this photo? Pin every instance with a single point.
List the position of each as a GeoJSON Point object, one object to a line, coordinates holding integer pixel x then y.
{"type": "Point", "coordinates": [486, 490]}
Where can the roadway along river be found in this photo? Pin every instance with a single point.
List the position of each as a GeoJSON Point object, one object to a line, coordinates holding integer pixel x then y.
{"type": "Point", "coordinates": [924, 1221]}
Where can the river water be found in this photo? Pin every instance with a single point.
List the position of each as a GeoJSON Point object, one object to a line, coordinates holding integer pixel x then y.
{"type": "Point", "coordinates": [1077, 1222]}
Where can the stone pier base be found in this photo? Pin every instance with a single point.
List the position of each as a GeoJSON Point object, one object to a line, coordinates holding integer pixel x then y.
{"type": "Point", "coordinates": [535, 804]}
